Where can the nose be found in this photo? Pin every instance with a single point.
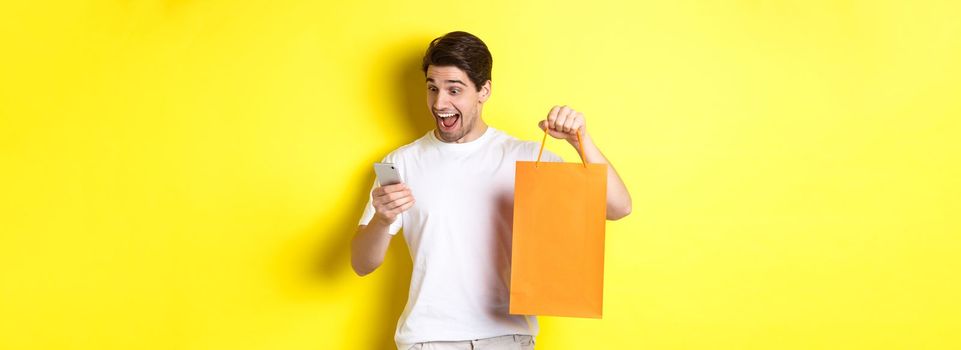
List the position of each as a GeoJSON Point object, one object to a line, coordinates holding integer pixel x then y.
{"type": "Point", "coordinates": [440, 101]}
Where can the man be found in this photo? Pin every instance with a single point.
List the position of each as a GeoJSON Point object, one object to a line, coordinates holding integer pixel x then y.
{"type": "Point", "coordinates": [458, 230]}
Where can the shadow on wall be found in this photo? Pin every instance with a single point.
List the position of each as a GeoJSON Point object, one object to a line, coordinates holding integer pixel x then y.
{"type": "Point", "coordinates": [328, 245]}
{"type": "Point", "coordinates": [410, 96]}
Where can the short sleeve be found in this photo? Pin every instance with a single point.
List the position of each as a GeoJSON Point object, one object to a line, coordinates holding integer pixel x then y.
{"type": "Point", "coordinates": [369, 214]}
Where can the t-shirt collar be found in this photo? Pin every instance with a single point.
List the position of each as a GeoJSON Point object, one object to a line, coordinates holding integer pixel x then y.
{"type": "Point", "coordinates": [471, 145]}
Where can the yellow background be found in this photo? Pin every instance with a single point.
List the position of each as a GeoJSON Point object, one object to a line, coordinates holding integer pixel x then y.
{"type": "Point", "coordinates": [187, 174]}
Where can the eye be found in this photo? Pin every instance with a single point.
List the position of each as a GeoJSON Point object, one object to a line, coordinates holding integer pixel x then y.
{"type": "Point", "coordinates": [454, 91]}
{"type": "Point", "coordinates": [431, 89]}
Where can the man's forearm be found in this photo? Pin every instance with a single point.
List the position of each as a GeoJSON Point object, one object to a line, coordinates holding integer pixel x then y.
{"type": "Point", "coordinates": [618, 199]}
{"type": "Point", "coordinates": [369, 246]}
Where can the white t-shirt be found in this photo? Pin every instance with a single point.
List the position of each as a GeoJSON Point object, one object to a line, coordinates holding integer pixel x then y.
{"type": "Point", "coordinates": [459, 236]}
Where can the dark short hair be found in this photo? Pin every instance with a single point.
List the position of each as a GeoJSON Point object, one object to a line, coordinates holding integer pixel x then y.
{"type": "Point", "coordinates": [462, 50]}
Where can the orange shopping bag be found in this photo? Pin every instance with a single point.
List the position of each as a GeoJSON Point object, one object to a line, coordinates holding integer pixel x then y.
{"type": "Point", "coordinates": [557, 259]}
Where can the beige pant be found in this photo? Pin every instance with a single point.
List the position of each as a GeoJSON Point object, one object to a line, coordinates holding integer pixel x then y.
{"type": "Point", "coordinates": [504, 342]}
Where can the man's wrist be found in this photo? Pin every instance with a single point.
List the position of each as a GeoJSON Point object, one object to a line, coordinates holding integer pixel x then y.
{"type": "Point", "coordinates": [380, 220]}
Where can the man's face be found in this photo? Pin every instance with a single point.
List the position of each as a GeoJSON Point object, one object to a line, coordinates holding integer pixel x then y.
{"type": "Point", "coordinates": [454, 101]}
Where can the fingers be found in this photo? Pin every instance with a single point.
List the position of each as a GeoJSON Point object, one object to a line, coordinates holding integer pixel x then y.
{"type": "Point", "coordinates": [381, 191]}
{"type": "Point", "coordinates": [564, 119]}
{"type": "Point", "coordinates": [400, 202]}
{"type": "Point", "coordinates": [391, 196]}
{"type": "Point", "coordinates": [392, 200]}
{"type": "Point", "coordinates": [394, 187]}
{"type": "Point", "coordinates": [393, 208]}
{"type": "Point", "coordinates": [552, 117]}
{"type": "Point", "coordinates": [403, 207]}
{"type": "Point", "coordinates": [562, 115]}
{"type": "Point", "coordinates": [569, 122]}
{"type": "Point", "coordinates": [578, 124]}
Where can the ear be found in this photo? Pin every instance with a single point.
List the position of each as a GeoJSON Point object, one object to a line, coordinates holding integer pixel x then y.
{"type": "Point", "coordinates": [485, 92]}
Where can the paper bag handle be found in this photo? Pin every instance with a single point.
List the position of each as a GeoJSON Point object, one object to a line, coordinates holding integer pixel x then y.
{"type": "Point", "coordinates": [580, 147]}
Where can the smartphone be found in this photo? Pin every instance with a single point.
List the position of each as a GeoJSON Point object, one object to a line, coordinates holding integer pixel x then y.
{"type": "Point", "coordinates": [387, 174]}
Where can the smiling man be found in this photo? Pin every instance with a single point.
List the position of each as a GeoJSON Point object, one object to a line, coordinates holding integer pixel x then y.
{"type": "Point", "coordinates": [458, 230]}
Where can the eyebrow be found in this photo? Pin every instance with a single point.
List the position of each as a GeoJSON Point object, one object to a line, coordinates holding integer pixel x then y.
{"type": "Point", "coordinates": [453, 81]}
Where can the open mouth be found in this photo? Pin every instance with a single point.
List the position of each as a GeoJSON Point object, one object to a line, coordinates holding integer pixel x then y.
{"type": "Point", "coordinates": [447, 121]}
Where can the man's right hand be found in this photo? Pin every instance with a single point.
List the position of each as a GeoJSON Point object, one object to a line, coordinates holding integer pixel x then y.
{"type": "Point", "coordinates": [391, 200]}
